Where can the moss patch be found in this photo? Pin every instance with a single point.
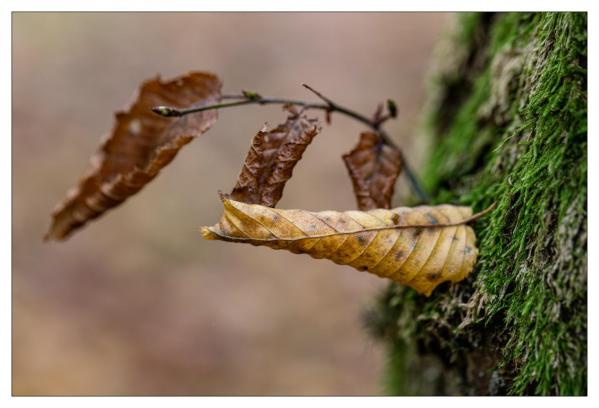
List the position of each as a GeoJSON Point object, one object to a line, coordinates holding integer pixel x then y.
{"type": "Point", "coordinates": [515, 134]}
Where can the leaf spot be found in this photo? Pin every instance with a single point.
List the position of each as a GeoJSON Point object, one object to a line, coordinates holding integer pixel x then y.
{"type": "Point", "coordinates": [433, 276]}
{"type": "Point", "coordinates": [135, 127]}
{"type": "Point", "coordinates": [431, 218]}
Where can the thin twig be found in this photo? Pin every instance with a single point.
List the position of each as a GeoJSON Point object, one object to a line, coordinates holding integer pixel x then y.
{"type": "Point", "coordinates": [329, 106]}
{"type": "Point", "coordinates": [321, 96]}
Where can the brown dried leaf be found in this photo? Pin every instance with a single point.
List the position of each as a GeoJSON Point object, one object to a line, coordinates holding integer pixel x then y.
{"type": "Point", "coordinates": [420, 247]}
{"type": "Point", "coordinates": [272, 156]}
{"type": "Point", "coordinates": [373, 168]}
{"type": "Point", "coordinates": [140, 145]}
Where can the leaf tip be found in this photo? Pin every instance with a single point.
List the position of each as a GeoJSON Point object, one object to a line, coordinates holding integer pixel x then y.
{"type": "Point", "coordinates": [207, 233]}
{"type": "Point", "coordinates": [56, 232]}
{"type": "Point", "coordinates": [47, 237]}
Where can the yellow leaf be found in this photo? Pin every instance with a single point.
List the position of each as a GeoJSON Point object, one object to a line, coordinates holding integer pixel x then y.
{"type": "Point", "coordinates": [420, 247]}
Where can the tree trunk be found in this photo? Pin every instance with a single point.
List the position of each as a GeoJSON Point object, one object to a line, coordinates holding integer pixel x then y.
{"type": "Point", "coordinates": [507, 124]}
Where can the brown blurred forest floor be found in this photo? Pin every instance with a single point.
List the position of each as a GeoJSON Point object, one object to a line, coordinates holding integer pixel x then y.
{"type": "Point", "coordinates": [138, 303]}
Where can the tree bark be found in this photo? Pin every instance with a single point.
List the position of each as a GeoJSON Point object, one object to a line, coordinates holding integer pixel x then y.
{"type": "Point", "coordinates": [507, 123]}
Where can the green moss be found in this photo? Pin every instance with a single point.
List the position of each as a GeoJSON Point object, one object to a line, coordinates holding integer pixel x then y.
{"type": "Point", "coordinates": [518, 138]}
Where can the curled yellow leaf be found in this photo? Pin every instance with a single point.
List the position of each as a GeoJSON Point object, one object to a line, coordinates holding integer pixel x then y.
{"type": "Point", "coordinates": [420, 247]}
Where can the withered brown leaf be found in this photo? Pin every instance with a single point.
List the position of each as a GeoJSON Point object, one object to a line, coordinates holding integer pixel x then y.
{"type": "Point", "coordinates": [272, 156]}
{"type": "Point", "coordinates": [140, 145]}
{"type": "Point", "coordinates": [420, 247]}
{"type": "Point", "coordinates": [373, 167]}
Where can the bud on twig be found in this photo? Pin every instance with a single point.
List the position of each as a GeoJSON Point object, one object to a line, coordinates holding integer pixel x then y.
{"type": "Point", "coordinates": [166, 111]}
{"type": "Point", "coordinates": [251, 95]}
{"type": "Point", "coordinates": [392, 108]}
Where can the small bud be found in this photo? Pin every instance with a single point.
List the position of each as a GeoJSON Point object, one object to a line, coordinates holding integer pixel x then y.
{"type": "Point", "coordinates": [251, 95]}
{"type": "Point", "coordinates": [392, 108]}
{"type": "Point", "coordinates": [166, 111]}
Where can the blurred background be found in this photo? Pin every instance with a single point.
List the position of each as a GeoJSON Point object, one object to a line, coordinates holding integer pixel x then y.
{"type": "Point", "coordinates": [136, 302]}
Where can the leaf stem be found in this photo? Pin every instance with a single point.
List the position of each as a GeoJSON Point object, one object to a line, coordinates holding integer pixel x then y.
{"type": "Point", "coordinates": [329, 106]}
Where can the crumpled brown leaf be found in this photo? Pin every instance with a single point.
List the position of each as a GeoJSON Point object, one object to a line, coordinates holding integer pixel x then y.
{"type": "Point", "coordinates": [420, 247]}
{"type": "Point", "coordinates": [373, 168]}
{"type": "Point", "coordinates": [140, 145]}
{"type": "Point", "coordinates": [272, 156]}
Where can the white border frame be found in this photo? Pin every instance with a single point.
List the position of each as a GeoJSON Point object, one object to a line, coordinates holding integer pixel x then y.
{"type": "Point", "coordinates": [8, 6]}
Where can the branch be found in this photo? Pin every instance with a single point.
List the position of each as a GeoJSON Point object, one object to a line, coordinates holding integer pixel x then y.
{"type": "Point", "coordinates": [252, 98]}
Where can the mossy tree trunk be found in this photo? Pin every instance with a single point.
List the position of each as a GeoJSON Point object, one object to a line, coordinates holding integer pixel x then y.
{"type": "Point", "coordinates": [507, 124]}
